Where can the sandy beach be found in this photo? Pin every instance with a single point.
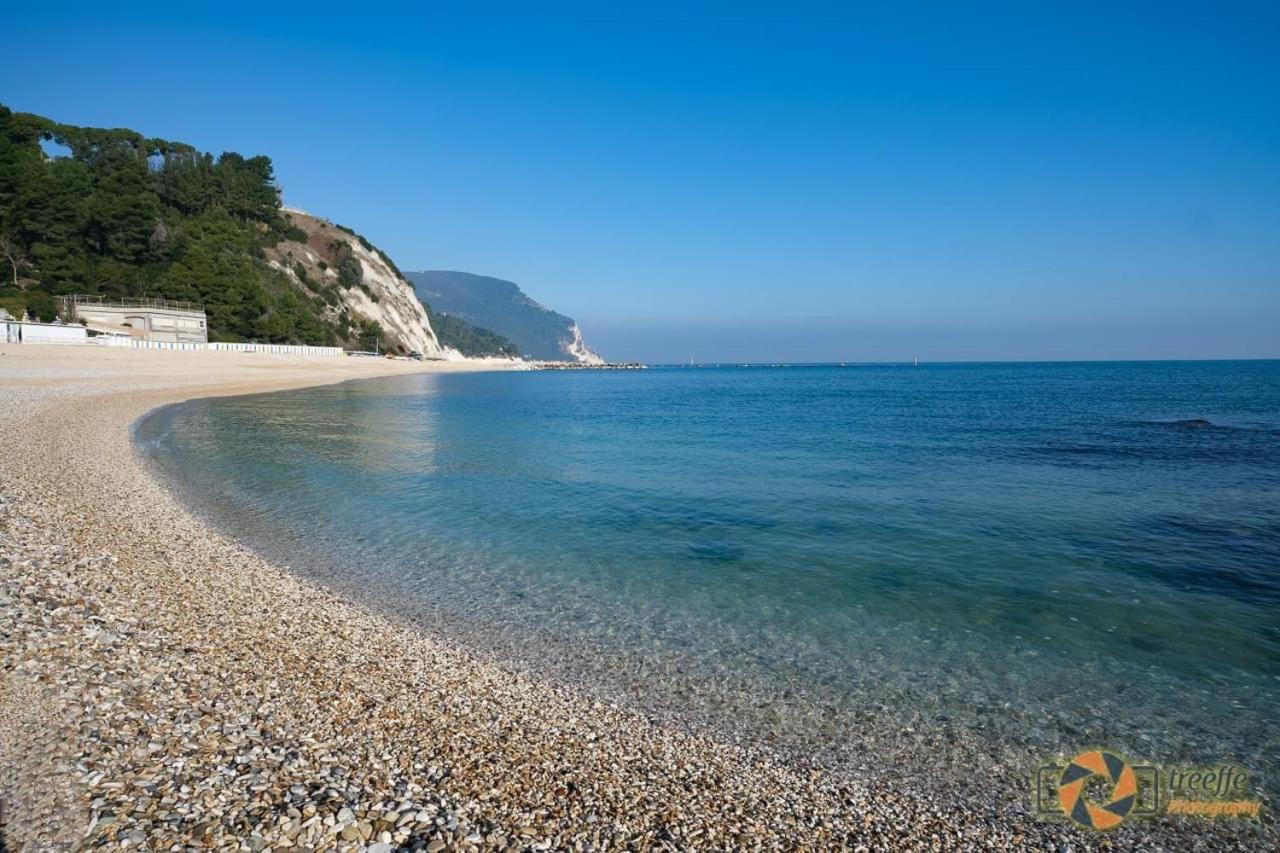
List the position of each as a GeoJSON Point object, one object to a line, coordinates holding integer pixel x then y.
{"type": "Point", "coordinates": [165, 688]}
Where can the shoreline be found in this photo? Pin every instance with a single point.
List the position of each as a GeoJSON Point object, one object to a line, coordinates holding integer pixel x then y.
{"type": "Point", "coordinates": [165, 685]}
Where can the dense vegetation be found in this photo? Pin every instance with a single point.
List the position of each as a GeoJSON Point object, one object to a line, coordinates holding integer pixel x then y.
{"type": "Point", "coordinates": [118, 214]}
{"type": "Point", "coordinates": [467, 339]}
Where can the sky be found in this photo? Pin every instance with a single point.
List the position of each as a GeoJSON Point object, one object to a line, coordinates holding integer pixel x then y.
{"type": "Point", "coordinates": [743, 182]}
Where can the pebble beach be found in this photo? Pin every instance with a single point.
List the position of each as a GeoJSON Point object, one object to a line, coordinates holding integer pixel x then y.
{"type": "Point", "coordinates": [164, 688]}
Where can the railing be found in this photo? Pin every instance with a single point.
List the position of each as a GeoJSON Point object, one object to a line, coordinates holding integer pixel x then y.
{"type": "Point", "coordinates": [217, 346]}
{"type": "Point", "coordinates": [279, 349]}
{"type": "Point", "coordinates": [139, 302]}
{"type": "Point", "coordinates": [186, 346]}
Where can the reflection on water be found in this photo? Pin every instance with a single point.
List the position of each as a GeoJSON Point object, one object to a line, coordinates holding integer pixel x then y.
{"type": "Point", "coordinates": [956, 566]}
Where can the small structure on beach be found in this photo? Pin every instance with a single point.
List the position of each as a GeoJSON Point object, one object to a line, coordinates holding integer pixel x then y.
{"type": "Point", "coordinates": [10, 328]}
{"type": "Point", "coordinates": [142, 319]}
{"type": "Point", "coordinates": [30, 332]}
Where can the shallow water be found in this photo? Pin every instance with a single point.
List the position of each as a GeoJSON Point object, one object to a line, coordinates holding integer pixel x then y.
{"type": "Point", "coordinates": [951, 569]}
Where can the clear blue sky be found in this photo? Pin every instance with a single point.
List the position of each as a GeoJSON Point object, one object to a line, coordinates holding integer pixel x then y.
{"type": "Point", "coordinates": [1022, 180]}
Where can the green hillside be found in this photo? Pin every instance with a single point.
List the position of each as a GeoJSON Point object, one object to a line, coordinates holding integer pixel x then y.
{"type": "Point", "coordinates": [467, 339]}
{"type": "Point", "coordinates": [112, 212]}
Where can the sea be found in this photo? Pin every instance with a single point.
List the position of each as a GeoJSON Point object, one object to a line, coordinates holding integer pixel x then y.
{"type": "Point", "coordinates": [938, 573]}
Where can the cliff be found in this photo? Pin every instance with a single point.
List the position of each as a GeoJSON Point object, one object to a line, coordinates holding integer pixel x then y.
{"type": "Point", "coordinates": [366, 298]}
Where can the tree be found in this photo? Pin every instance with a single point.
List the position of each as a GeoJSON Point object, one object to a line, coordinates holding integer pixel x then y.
{"type": "Point", "coordinates": [186, 182]}
{"type": "Point", "coordinates": [215, 270]}
{"type": "Point", "coordinates": [247, 188]}
{"type": "Point", "coordinates": [42, 306]}
{"type": "Point", "coordinates": [123, 209]}
{"type": "Point", "coordinates": [59, 268]}
{"type": "Point", "coordinates": [50, 204]}
{"type": "Point", "coordinates": [350, 272]}
{"type": "Point", "coordinates": [19, 156]}
{"type": "Point", "coordinates": [15, 256]}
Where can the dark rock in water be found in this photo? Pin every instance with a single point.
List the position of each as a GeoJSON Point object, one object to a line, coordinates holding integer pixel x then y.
{"type": "Point", "coordinates": [1192, 423]}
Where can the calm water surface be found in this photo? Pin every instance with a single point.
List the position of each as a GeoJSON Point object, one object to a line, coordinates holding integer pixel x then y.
{"type": "Point", "coordinates": [949, 568]}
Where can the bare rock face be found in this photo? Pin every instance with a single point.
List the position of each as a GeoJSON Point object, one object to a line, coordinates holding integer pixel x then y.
{"type": "Point", "coordinates": [577, 349]}
{"type": "Point", "coordinates": [360, 286]}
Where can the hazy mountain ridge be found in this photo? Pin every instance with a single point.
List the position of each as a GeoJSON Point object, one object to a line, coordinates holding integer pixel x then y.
{"type": "Point", "coordinates": [501, 306]}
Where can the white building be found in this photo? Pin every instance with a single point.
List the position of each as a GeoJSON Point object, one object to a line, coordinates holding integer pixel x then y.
{"type": "Point", "coordinates": [142, 319]}
{"type": "Point", "coordinates": [30, 332]}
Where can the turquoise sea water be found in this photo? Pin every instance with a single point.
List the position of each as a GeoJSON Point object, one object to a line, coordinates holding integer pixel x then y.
{"type": "Point", "coordinates": [917, 571]}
